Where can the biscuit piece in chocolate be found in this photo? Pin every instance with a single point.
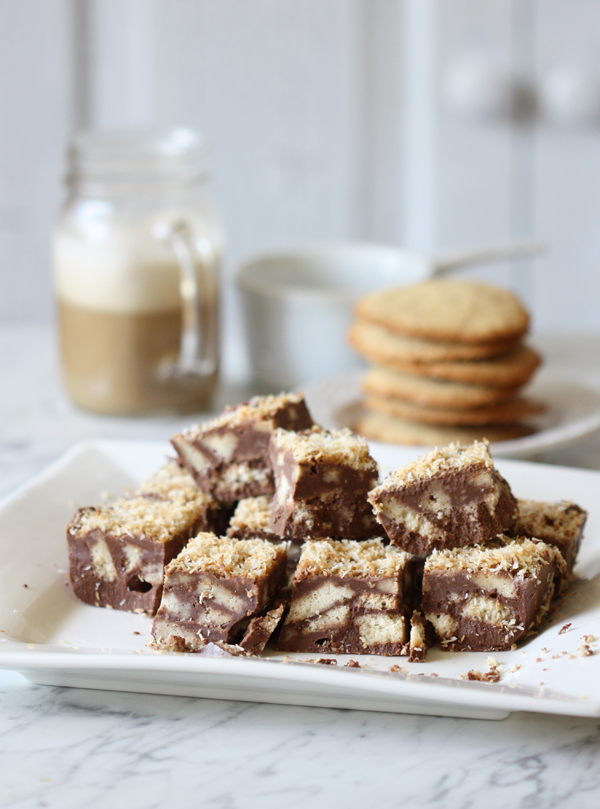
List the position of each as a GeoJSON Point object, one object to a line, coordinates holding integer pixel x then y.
{"type": "Point", "coordinates": [117, 552]}
{"type": "Point", "coordinates": [449, 497]}
{"type": "Point", "coordinates": [420, 638]}
{"type": "Point", "coordinates": [250, 520]}
{"type": "Point", "coordinates": [228, 456]}
{"type": "Point", "coordinates": [488, 597]}
{"type": "Point", "coordinates": [213, 590]}
{"type": "Point", "coordinates": [350, 597]}
{"type": "Point", "coordinates": [559, 524]}
{"type": "Point", "coordinates": [322, 480]}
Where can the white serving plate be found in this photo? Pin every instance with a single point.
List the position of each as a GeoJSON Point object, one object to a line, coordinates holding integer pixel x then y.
{"type": "Point", "coordinates": [573, 411]}
{"type": "Point", "coordinates": [52, 638]}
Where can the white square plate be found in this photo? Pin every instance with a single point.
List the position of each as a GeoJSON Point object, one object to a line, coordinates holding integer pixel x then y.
{"type": "Point", "coordinates": [52, 638]}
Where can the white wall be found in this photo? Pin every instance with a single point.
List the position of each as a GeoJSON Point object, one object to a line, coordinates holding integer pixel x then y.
{"type": "Point", "coordinates": [327, 120]}
{"type": "Point", "coordinates": [36, 115]}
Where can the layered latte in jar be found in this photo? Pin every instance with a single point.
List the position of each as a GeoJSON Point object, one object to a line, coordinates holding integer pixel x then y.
{"type": "Point", "coordinates": [136, 258]}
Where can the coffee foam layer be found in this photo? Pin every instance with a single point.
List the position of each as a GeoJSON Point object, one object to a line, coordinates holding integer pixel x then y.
{"type": "Point", "coordinates": [126, 275]}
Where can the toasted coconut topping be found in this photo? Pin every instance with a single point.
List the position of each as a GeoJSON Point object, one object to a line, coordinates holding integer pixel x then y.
{"type": "Point", "coordinates": [522, 556]}
{"type": "Point", "coordinates": [223, 556]}
{"type": "Point", "coordinates": [549, 520]}
{"type": "Point", "coordinates": [346, 557]}
{"type": "Point", "coordinates": [253, 513]}
{"type": "Point", "coordinates": [439, 462]}
{"type": "Point", "coordinates": [335, 446]}
{"type": "Point", "coordinates": [257, 409]}
{"type": "Point", "coordinates": [165, 505]}
{"type": "Point", "coordinates": [172, 482]}
{"type": "Point", "coordinates": [155, 519]}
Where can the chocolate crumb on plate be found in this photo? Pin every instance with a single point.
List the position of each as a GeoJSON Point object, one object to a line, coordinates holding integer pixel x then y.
{"type": "Point", "coordinates": [564, 629]}
{"type": "Point", "coordinates": [260, 629]}
{"type": "Point", "coordinates": [491, 676]}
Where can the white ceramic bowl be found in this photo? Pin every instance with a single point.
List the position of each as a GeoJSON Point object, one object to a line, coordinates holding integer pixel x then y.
{"type": "Point", "coordinates": [298, 305]}
{"type": "Point", "coordinates": [298, 302]}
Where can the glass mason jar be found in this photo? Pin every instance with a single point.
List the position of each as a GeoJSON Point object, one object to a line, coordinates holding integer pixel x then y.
{"type": "Point", "coordinates": [136, 260]}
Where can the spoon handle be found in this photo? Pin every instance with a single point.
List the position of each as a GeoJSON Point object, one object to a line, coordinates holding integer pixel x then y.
{"type": "Point", "coordinates": [447, 263]}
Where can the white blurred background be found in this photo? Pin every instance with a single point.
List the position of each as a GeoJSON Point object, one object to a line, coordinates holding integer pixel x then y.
{"type": "Point", "coordinates": [431, 124]}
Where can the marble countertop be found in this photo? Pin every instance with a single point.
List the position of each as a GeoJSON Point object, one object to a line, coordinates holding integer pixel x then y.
{"type": "Point", "coordinates": [64, 747]}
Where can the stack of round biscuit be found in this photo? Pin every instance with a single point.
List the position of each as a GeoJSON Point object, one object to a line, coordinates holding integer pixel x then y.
{"type": "Point", "coordinates": [449, 363]}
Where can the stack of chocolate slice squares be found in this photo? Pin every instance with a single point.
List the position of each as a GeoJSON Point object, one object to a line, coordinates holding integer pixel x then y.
{"type": "Point", "coordinates": [351, 593]}
{"type": "Point", "coordinates": [488, 575]}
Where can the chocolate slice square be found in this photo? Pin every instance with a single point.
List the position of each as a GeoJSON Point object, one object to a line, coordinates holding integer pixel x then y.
{"type": "Point", "coordinates": [447, 498]}
{"type": "Point", "coordinates": [488, 597]}
{"type": "Point", "coordinates": [214, 588]}
{"type": "Point", "coordinates": [322, 480]}
{"type": "Point", "coordinates": [118, 551]}
{"type": "Point", "coordinates": [251, 519]}
{"type": "Point", "coordinates": [560, 524]}
{"type": "Point", "coordinates": [350, 597]}
{"type": "Point", "coordinates": [228, 456]}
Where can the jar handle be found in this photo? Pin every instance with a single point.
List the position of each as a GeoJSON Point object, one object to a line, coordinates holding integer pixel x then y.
{"type": "Point", "coordinates": [198, 346]}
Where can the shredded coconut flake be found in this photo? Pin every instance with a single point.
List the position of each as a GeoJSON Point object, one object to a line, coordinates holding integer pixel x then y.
{"type": "Point", "coordinates": [318, 445]}
{"type": "Point", "coordinates": [166, 504]}
{"type": "Point", "coordinates": [228, 557]}
{"type": "Point", "coordinates": [440, 461]}
{"type": "Point", "coordinates": [258, 409]}
{"type": "Point", "coordinates": [351, 558]}
{"type": "Point", "coordinates": [502, 555]}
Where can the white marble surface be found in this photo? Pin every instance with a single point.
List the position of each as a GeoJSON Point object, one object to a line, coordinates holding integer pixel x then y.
{"type": "Point", "coordinates": [72, 748]}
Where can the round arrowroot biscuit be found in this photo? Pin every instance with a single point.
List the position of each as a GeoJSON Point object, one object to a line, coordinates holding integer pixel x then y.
{"type": "Point", "coordinates": [508, 369]}
{"type": "Point", "coordinates": [510, 411]}
{"type": "Point", "coordinates": [390, 430]}
{"type": "Point", "coordinates": [461, 311]}
{"type": "Point", "coordinates": [422, 390]}
{"type": "Point", "coordinates": [384, 347]}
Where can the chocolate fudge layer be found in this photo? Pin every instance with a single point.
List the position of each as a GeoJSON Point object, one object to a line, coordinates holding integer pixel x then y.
{"type": "Point", "coordinates": [488, 597]}
{"type": "Point", "coordinates": [560, 524]}
{"type": "Point", "coordinates": [448, 498]}
{"type": "Point", "coordinates": [251, 519]}
{"type": "Point", "coordinates": [214, 588]}
{"type": "Point", "coordinates": [350, 597]}
{"type": "Point", "coordinates": [117, 552]}
{"type": "Point", "coordinates": [228, 456]}
{"type": "Point", "coordinates": [321, 483]}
